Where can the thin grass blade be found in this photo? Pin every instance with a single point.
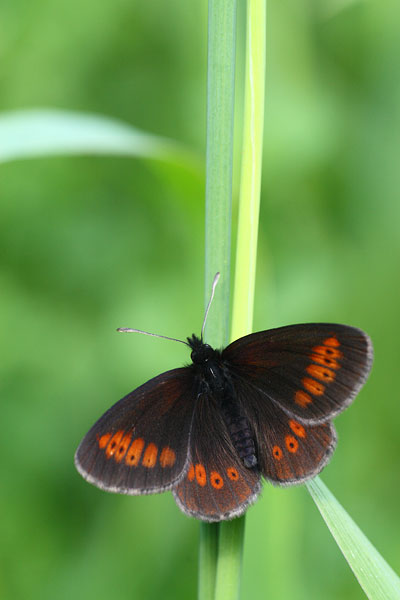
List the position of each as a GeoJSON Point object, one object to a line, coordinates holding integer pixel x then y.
{"type": "Point", "coordinates": [375, 576]}
{"type": "Point", "coordinates": [45, 132]}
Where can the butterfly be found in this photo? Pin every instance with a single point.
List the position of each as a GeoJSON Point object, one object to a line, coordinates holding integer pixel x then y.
{"type": "Point", "coordinates": [261, 407]}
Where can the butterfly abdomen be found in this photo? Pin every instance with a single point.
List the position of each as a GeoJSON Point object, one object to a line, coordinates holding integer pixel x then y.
{"type": "Point", "coordinates": [238, 426]}
{"type": "Point", "coordinates": [219, 385]}
{"type": "Point", "coordinates": [241, 436]}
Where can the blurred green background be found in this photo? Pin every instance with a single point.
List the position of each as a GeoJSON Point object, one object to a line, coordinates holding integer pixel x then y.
{"type": "Point", "coordinates": [91, 244]}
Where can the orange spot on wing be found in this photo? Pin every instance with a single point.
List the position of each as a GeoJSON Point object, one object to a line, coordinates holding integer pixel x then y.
{"type": "Point", "coordinates": [216, 480]}
{"type": "Point", "coordinates": [291, 443]}
{"type": "Point", "coordinates": [134, 453]}
{"type": "Point", "coordinates": [327, 351]}
{"type": "Point", "coordinates": [314, 387]}
{"type": "Point", "coordinates": [325, 361]}
{"type": "Point", "coordinates": [103, 440]}
{"type": "Point", "coordinates": [302, 398]}
{"type": "Point", "coordinates": [167, 457]}
{"type": "Point", "coordinates": [331, 341]}
{"type": "Point", "coordinates": [232, 474]}
{"type": "Point", "coordinates": [190, 474]}
{"type": "Point", "coordinates": [322, 373]}
{"type": "Point", "coordinates": [113, 444]}
{"type": "Point", "coordinates": [297, 428]}
{"type": "Point", "coordinates": [201, 476]}
{"type": "Point", "coordinates": [150, 456]}
{"type": "Point", "coordinates": [123, 447]}
{"type": "Point", "coordinates": [277, 452]}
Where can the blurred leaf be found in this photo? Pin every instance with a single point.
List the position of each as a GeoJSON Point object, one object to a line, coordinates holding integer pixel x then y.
{"type": "Point", "coordinates": [375, 576]}
{"type": "Point", "coordinates": [46, 132]}
{"type": "Point", "coordinates": [332, 8]}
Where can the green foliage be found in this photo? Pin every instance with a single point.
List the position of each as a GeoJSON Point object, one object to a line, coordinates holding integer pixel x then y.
{"type": "Point", "coordinates": [90, 244]}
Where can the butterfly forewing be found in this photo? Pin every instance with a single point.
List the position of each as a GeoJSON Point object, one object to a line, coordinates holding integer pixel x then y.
{"type": "Point", "coordinates": [217, 485]}
{"type": "Point", "coordinates": [311, 371]}
{"type": "Point", "coordinates": [140, 445]}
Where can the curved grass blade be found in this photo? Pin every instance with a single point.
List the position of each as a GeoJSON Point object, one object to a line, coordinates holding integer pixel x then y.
{"type": "Point", "coordinates": [36, 133]}
{"type": "Point", "coordinates": [375, 576]}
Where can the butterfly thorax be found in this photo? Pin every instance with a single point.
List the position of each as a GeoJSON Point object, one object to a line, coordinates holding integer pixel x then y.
{"type": "Point", "coordinates": [214, 378]}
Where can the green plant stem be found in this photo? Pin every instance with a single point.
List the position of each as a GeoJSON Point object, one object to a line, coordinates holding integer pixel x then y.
{"type": "Point", "coordinates": [231, 535]}
{"type": "Point", "coordinates": [230, 552]}
{"type": "Point", "coordinates": [208, 551]}
{"type": "Point", "coordinates": [250, 181]}
{"type": "Point", "coordinates": [220, 105]}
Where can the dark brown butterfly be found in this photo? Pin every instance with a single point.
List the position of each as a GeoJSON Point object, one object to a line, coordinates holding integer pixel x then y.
{"type": "Point", "coordinates": [263, 406]}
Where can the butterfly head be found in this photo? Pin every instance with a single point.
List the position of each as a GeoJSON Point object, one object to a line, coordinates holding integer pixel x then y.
{"type": "Point", "coordinates": [201, 352]}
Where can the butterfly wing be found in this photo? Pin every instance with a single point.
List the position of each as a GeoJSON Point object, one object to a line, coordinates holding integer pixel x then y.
{"type": "Point", "coordinates": [217, 486]}
{"type": "Point", "coordinates": [311, 371]}
{"type": "Point", "coordinates": [140, 445]}
{"type": "Point", "coordinates": [288, 452]}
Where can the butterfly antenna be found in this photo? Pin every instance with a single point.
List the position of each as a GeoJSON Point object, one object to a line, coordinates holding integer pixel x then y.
{"type": "Point", "coordinates": [164, 337]}
{"type": "Point", "coordinates": [214, 285]}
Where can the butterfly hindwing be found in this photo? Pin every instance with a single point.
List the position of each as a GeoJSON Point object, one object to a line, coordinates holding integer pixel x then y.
{"type": "Point", "coordinates": [217, 486]}
{"type": "Point", "coordinates": [288, 451]}
{"type": "Point", "coordinates": [312, 371]}
{"type": "Point", "coordinates": [140, 445]}
{"type": "Point", "coordinates": [294, 453]}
